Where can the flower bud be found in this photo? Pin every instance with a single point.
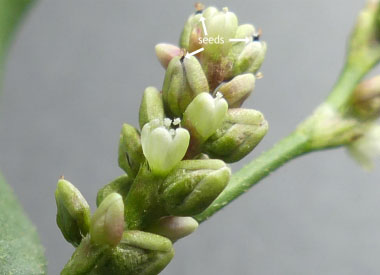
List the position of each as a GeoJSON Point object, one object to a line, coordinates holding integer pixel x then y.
{"type": "Point", "coordinates": [367, 147]}
{"type": "Point", "coordinates": [73, 212]}
{"type": "Point", "coordinates": [251, 58]}
{"type": "Point", "coordinates": [130, 151]}
{"type": "Point", "coordinates": [151, 106]}
{"type": "Point", "coordinates": [184, 79]}
{"type": "Point", "coordinates": [205, 114]}
{"type": "Point", "coordinates": [138, 252]}
{"type": "Point", "coordinates": [174, 228]}
{"type": "Point", "coordinates": [366, 99]}
{"type": "Point", "coordinates": [193, 186]}
{"type": "Point", "coordinates": [86, 258]}
{"type": "Point", "coordinates": [223, 25]}
{"type": "Point", "coordinates": [166, 52]}
{"type": "Point", "coordinates": [241, 131]}
{"type": "Point", "coordinates": [164, 147]}
{"type": "Point", "coordinates": [191, 27]}
{"type": "Point", "coordinates": [245, 30]}
{"type": "Point", "coordinates": [107, 223]}
{"type": "Point", "coordinates": [120, 185]}
{"type": "Point", "coordinates": [238, 89]}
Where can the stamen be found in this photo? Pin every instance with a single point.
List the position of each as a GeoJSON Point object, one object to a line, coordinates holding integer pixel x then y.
{"type": "Point", "coordinates": [167, 122]}
{"type": "Point", "coordinates": [218, 95]}
{"type": "Point", "coordinates": [177, 121]}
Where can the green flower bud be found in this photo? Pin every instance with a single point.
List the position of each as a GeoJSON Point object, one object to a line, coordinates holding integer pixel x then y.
{"type": "Point", "coordinates": [366, 99]}
{"type": "Point", "coordinates": [151, 106]}
{"type": "Point", "coordinates": [238, 89]}
{"type": "Point", "coordinates": [166, 52]}
{"type": "Point", "coordinates": [142, 207]}
{"type": "Point", "coordinates": [120, 185]}
{"type": "Point", "coordinates": [367, 147]}
{"type": "Point", "coordinates": [205, 115]}
{"type": "Point", "coordinates": [191, 27]}
{"type": "Point", "coordinates": [73, 212]}
{"type": "Point", "coordinates": [184, 79]}
{"type": "Point", "coordinates": [107, 223]}
{"type": "Point", "coordinates": [250, 59]}
{"type": "Point", "coordinates": [174, 228]}
{"type": "Point", "coordinates": [245, 30]}
{"type": "Point", "coordinates": [209, 12]}
{"type": "Point", "coordinates": [163, 147]}
{"type": "Point", "coordinates": [241, 131]}
{"type": "Point", "coordinates": [130, 151]}
{"type": "Point", "coordinates": [223, 25]}
{"type": "Point", "coordinates": [86, 258]}
{"type": "Point", "coordinates": [364, 45]}
{"type": "Point", "coordinates": [193, 186]}
{"type": "Point", "coordinates": [138, 253]}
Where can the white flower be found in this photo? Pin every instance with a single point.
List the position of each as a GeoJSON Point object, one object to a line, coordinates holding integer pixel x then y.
{"type": "Point", "coordinates": [162, 146]}
{"type": "Point", "coordinates": [206, 113]}
{"type": "Point", "coordinates": [367, 147]}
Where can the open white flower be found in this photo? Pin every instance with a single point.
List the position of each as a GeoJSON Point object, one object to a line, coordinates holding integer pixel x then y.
{"type": "Point", "coordinates": [365, 149]}
{"type": "Point", "coordinates": [163, 146]}
{"type": "Point", "coordinates": [205, 114]}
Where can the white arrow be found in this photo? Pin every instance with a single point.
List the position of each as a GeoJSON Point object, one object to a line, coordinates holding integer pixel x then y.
{"type": "Point", "coordinates": [246, 40]}
{"type": "Point", "coordinates": [202, 19]}
{"type": "Point", "coordinates": [188, 55]}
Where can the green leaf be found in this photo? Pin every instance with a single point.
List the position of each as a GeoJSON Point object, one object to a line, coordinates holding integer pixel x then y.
{"type": "Point", "coordinates": [20, 248]}
{"type": "Point", "coordinates": [11, 12]}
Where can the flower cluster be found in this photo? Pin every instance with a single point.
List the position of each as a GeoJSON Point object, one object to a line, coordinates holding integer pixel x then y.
{"type": "Point", "coordinates": [175, 167]}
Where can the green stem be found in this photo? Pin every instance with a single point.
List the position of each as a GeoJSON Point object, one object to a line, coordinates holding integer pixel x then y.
{"type": "Point", "coordinates": [347, 82]}
{"type": "Point", "coordinates": [290, 147]}
{"type": "Point", "coordinates": [298, 143]}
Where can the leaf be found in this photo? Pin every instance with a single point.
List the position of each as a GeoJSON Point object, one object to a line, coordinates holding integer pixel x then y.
{"type": "Point", "coordinates": [11, 11]}
{"type": "Point", "coordinates": [20, 248]}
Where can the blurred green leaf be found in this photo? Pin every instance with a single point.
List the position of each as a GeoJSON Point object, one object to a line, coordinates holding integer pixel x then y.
{"type": "Point", "coordinates": [20, 248]}
{"type": "Point", "coordinates": [11, 11]}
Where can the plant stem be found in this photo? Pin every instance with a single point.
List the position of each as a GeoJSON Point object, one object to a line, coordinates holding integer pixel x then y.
{"type": "Point", "coordinates": [351, 76]}
{"type": "Point", "coordinates": [294, 145]}
{"type": "Point", "coordinates": [288, 148]}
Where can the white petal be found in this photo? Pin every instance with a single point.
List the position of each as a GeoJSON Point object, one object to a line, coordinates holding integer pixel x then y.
{"type": "Point", "coordinates": [177, 149]}
{"type": "Point", "coordinates": [157, 147]}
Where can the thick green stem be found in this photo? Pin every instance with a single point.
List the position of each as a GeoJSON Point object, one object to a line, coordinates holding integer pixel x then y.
{"type": "Point", "coordinates": [290, 147]}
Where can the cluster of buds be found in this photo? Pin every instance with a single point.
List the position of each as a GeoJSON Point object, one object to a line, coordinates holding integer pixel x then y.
{"type": "Point", "coordinates": [230, 49]}
{"type": "Point", "coordinates": [175, 163]}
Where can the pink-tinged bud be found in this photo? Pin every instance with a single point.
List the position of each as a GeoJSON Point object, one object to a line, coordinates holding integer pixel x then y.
{"type": "Point", "coordinates": [174, 228]}
{"type": "Point", "coordinates": [107, 224]}
{"type": "Point", "coordinates": [238, 89]}
{"type": "Point", "coordinates": [166, 52]}
{"type": "Point", "coordinates": [366, 99]}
